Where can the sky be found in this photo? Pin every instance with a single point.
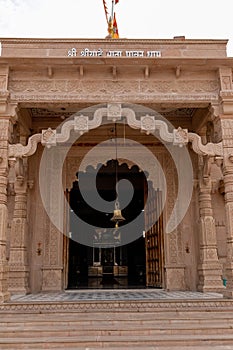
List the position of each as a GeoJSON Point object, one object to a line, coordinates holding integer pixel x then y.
{"type": "Point", "coordinates": [164, 19]}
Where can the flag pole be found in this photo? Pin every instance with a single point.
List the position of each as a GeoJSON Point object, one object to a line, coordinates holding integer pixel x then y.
{"type": "Point", "coordinates": [105, 10]}
{"type": "Point", "coordinates": [113, 3]}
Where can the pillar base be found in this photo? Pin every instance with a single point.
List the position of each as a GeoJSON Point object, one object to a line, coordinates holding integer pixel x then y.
{"type": "Point", "coordinates": [4, 297]}
{"type": "Point", "coordinates": [51, 279]}
{"type": "Point", "coordinates": [18, 280]}
{"type": "Point", "coordinates": [4, 293]}
{"type": "Point", "coordinates": [228, 292]}
{"type": "Point", "coordinates": [210, 278]}
{"type": "Point", "coordinates": [175, 278]}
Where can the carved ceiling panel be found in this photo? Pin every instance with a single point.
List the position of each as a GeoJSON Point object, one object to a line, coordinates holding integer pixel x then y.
{"type": "Point", "coordinates": [52, 115]}
{"type": "Point", "coordinates": [64, 113]}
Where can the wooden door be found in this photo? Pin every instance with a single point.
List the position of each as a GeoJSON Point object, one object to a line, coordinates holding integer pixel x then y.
{"type": "Point", "coordinates": [154, 239]}
{"type": "Point", "coordinates": [66, 239]}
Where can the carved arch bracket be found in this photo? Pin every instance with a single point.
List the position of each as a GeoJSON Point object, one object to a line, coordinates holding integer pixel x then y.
{"type": "Point", "coordinates": [148, 123]}
{"type": "Point", "coordinates": [18, 150]}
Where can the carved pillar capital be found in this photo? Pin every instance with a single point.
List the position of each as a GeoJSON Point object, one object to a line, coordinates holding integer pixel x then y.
{"type": "Point", "coordinates": [225, 76]}
{"type": "Point", "coordinates": [4, 93]}
{"type": "Point", "coordinates": [214, 111]}
{"type": "Point", "coordinates": [8, 110]}
{"type": "Point", "coordinates": [226, 93]}
{"type": "Point", "coordinates": [20, 185]}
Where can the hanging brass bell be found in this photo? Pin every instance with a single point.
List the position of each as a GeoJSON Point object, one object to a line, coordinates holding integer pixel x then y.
{"type": "Point", "coordinates": [117, 216]}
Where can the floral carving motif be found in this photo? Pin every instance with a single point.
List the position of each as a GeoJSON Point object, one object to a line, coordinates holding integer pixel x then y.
{"type": "Point", "coordinates": [148, 123]}
{"type": "Point", "coordinates": [81, 123]}
{"type": "Point", "coordinates": [48, 137]}
{"type": "Point", "coordinates": [114, 111]}
{"type": "Point", "coordinates": [180, 137]}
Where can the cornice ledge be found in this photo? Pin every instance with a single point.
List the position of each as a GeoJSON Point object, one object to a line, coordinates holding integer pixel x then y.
{"type": "Point", "coordinates": [107, 40]}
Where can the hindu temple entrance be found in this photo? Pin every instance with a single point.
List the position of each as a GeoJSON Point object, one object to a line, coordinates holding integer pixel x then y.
{"type": "Point", "coordinates": [105, 265]}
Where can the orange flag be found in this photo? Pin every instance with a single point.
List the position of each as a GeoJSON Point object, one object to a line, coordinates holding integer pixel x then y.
{"type": "Point", "coordinates": [115, 28]}
{"type": "Point", "coordinates": [116, 1]}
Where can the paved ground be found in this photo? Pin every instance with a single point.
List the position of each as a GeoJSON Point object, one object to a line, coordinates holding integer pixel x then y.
{"type": "Point", "coordinates": [146, 294]}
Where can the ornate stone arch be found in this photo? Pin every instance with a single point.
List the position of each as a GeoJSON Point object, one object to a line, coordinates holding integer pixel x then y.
{"type": "Point", "coordinates": [148, 123]}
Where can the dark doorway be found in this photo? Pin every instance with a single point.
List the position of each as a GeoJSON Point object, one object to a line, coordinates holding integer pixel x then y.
{"type": "Point", "coordinates": [92, 268]}
{"type": "Point", "coordinates": [102, 266]}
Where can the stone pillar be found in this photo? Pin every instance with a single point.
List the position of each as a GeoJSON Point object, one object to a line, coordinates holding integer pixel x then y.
{"type": "Point", "coordinates": [209, 269]}
{"type": "Point", "coordinates": [227, 128]}
{"type": "Point", "coordinates": [19, 269]}
{"type": "Point", "coordinates": [174, 260]}
{"type": "Point", "coordinates": [226, 117]}
{"type": "Point", "coordinates": [5, 125]}
{"type": "Point", "coordinates": [7, 119]}
{"type": "Point", "coordinates": [52, 270]}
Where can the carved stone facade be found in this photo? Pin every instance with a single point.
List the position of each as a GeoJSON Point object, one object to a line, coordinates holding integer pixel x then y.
{"type": "Point", "coordinates": [71, 104]}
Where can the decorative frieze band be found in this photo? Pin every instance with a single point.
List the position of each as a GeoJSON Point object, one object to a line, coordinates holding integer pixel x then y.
{"type": "Point", "coordinates": [93, 90]}
{"type": "Point", "coordinates": [38, 307]}
{"type": "Point", "coordinates": [92, 86]}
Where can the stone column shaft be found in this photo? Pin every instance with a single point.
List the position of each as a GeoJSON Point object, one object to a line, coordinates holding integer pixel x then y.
{"type": "Point", "coordinates": [209, 269]}
{"type": "Point", "coordinates": [228, 181]}
{"type": "Point", "coordinates": [227, 136]}
{"type": "Point", "coordinates": [4, 137]}
{"type": "Point", "coordinates": [52, 269]}
{"type": "Point", "coordinates": [19, 270]}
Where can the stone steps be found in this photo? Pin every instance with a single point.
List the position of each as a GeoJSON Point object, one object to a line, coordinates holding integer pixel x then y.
{"type": "Point", "coordinates": [85, 341]}
{"type": "Point", "coordinates": [136, 347]}
{"type": "Point", "coordinates": [146, 325]}
{"type": "Point", "coordinates": [115, 328]}
{"type": "Point", "coordinates": [112, 333]}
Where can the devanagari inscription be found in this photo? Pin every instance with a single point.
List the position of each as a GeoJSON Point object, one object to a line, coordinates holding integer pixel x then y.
{"type": "Point", "coordinates": [153, 54]}
{"type": "Point", "coordinates": [112, 53]}
{"type": "Point", "coordinates": [72, 52]}
{"type": "Point", "coordinates": [134, 53]}
{"type": "Point", "coordinates": [91, 53]}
